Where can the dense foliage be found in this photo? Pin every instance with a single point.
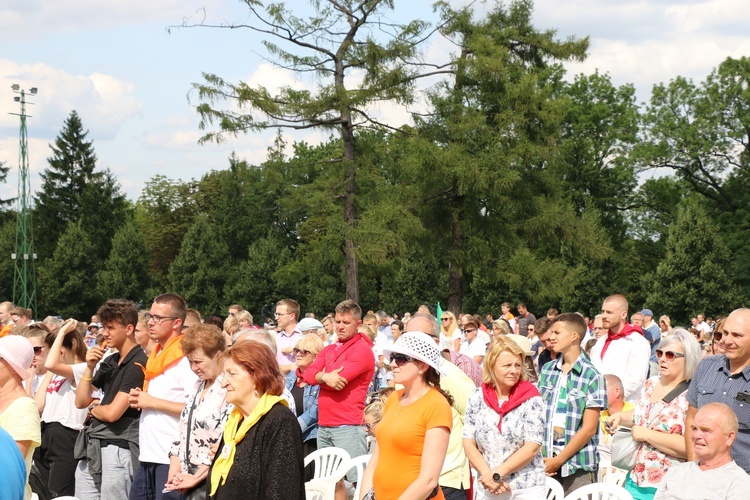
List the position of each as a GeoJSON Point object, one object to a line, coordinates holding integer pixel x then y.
{"type": "Point", "coordinates": [517, 184]}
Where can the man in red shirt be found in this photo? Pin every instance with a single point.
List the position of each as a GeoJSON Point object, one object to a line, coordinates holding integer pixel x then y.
{"type": "Point", "coordinates": [344, 371]}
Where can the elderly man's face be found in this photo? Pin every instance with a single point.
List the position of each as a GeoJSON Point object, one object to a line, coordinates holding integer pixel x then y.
{"type": "Point", "coordinates": [709, 438]}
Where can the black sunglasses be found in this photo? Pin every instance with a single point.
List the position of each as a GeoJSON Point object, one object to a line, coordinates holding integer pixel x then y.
{"type": "Point", "coordinates": [400, 359]}
{"type": "Point", "coordinates": [669, 355]}
{"type": "Point", "coordinates": [717, 336]}
{"type": "Point", "coordinates": [37, 350]}
{"type": "Point", "coordinates": [304, 352]}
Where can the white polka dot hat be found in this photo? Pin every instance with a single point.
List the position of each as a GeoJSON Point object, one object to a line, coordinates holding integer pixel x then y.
{"type": "Point", "coordinates": [417, 345]}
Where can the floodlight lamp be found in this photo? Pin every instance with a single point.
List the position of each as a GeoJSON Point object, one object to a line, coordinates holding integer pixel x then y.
{"type": "Point", "coordinates": [15, 87]}
{"type": "Point", "coordinates": [33, 90]}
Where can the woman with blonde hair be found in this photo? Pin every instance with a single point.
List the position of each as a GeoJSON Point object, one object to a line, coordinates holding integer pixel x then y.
{"type": "Point", "coordinates": [504, 427]}
{"type": "Point", "coordinates": [450, 333]}
{"type": "Point", "coordinates": [245, 319]}
{"type": "Point", "coordinates": [231, 326]}
{"type": "Point", "coordinates": [142, 337]}
{"type": "Point", "coordinates": [305, 395]}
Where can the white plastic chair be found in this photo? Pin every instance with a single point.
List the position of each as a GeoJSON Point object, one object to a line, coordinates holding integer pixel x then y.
{"type": "Point", "coordinates": [359, 463]}
{"type": "Point", "coordinates": [330, 464]}
{"type": "Point", "coordinates": [613, 475]}
{"type": "Point", "coordinates": [600, 491]}
{"type": "Point", "coordinates": [554, 489]}
{"type": "Point", "coordinates": [319, 490]}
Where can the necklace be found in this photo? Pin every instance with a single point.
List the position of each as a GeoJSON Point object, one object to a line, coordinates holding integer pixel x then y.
{"type": "Point", "coordinates": [402, 406]}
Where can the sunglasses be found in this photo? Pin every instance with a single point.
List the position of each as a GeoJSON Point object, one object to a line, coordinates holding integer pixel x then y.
{"type": "Point", "coordinates": [304, 352]}
{"type": "Point", "coordinates": [470, 330]}
{"type": "Point", "coordinates": [371, 426]}
{"type": "Point", "coordinates": [445, 319]}
{"type": "Point", "coordinates": [717, 336]}
{"type": "Point", "coordinates": [668, 355]}
{"type": "Point", "coordinates": [37, 350]}
{"type": "Point", "coordinates": [400, 359]}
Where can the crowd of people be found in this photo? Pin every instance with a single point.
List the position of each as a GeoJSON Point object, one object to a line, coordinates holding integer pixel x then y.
{"type": "Point", "coordinates": [165, 404]}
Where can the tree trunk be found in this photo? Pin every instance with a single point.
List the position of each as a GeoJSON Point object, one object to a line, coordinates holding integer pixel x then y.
{"type": "Point", "coordinates": [455, 274]}
{"type": "Point", "coordinates": [350, 211]}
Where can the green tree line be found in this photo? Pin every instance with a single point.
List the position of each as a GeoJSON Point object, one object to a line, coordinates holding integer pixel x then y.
{"type": "Point", "coordinates": [518, 183]}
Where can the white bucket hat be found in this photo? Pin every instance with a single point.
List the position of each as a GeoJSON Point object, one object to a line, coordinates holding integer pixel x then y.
{"type": "Point", "coordinates": [416, 345]}
{"type": "Point", "coordinates": [18, 352]}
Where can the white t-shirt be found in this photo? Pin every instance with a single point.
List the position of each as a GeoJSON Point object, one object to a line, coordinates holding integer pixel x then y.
{"type": "Point", "coordinates": [60, 402]}
{"type": "Point", "coordinates": [446, 342]}
{"type": "Point", "coordinates": [476, 348]}
{"type": "Point", "coordinates": [159, 430]}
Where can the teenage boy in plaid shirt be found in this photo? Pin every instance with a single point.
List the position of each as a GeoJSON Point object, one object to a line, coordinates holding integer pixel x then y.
{"type": "Point", "coordinates": [574, 394]}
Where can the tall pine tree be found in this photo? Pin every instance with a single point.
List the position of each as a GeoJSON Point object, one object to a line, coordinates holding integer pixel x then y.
{"type": "Point", "coordinates": [72, 187]}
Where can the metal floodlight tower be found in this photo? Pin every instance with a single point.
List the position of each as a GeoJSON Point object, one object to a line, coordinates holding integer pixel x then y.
{"type": "Point", "coordinates": [24, 275]}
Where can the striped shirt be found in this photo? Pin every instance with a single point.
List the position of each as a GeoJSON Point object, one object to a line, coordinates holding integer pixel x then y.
{"type": "Point", "coordinates": [585, 388]}
{"type": "Point", "coordinates": [713, 383]}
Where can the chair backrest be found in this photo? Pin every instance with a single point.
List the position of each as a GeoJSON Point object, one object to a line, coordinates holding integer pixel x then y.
{"type": "Point", "coordinates": [319, 490]}
{"type": "Point", "coordinates": [554, 489]}
{"type": "Point", "coordinates": [600, 491]}
{"type": "Point", "coordinates": [360, 463]}
{"type": "Point", "coordinates": [613, 475]}
{"type": "Point", "coordinates": [328, 463]}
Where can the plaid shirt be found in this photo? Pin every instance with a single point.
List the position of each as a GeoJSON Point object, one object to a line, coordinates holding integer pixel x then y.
{"type": "Point", "coordinates": [586, 389]}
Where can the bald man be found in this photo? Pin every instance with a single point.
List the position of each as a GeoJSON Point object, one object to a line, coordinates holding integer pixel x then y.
{"type": "Point", "coordinates": [623, 351]}
{"type": "Point", "coordinates": [725, 378]}
{"type": "Point", "coordinates": [714, 475]}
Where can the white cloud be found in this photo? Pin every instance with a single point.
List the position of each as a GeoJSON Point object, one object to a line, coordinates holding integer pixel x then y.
{"type": "Point", "coordinates": [41, 17]}
{"type": "Point", "coordinates": [103, 102]}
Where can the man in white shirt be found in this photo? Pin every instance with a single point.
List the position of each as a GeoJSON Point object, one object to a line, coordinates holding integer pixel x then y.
{"type": "Point", "coordinates": [623, 351]}
{"type": "Point", "coordinates": [169, 381]}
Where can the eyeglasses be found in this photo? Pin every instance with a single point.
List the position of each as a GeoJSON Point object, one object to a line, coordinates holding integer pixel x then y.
{"type": "Point", "coordinates": [303, 352]}
{"type": "Point", "coordinates": [717, 336]}
{"type": "Point", "coordinates": [400, 359]}
{"type": "Point", "coordinates": [371, 426]}
{"type": "Point", "coordinates": [445, 319]}
{"type": "Point", "coordinates": [668, 355]}
{"type": "Point", "coordinates": [529, 329]}
{"type": "Point", "coordinates": [280, 314]}
{"type": "Point", "coordinates": [230, 313]}
{"type": "Point", "coordinates": [37, 350]}
{"type": "Point", "coordinates": [470, 330]}
{"type": "Point", "coordinates": [158, 319]}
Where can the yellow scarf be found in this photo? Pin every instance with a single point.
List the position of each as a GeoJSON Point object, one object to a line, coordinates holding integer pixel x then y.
{"type": "Point", "coordinates": [233, 435]}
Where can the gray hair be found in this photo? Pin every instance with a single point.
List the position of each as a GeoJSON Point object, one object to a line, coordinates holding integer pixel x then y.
{"type": "Point", "coordinates": [262, 336]}
{"type": "Point", "coordinates": [689, 344]}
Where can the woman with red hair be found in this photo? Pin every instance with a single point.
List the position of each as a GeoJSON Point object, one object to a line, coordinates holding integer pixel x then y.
{"type": "Point", "coordinates": [260, 454]}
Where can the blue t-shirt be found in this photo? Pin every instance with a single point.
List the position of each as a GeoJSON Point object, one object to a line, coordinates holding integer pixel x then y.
{"type": "Point", "coordinates": [14, 468]}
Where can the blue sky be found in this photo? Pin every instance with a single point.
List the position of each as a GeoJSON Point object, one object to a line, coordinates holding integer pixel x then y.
{"type": "Point", "coordinates": [128, 78]}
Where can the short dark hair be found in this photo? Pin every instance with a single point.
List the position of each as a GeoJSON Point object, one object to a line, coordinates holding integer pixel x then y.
{"type": "Point", "coordinates": [572, 321]}
{"type": "Point", "coordinates": [398, 323]}
{"type": "Point", "coordinates": [121, 311]}
{"type": "Point", "coordinates": [542, 325]}
{"type": "Point", "coordinates": [175, 302]}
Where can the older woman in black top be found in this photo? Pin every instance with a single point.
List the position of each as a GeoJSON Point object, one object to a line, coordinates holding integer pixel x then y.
{"type": "Point", "coordinates": [260, 454]}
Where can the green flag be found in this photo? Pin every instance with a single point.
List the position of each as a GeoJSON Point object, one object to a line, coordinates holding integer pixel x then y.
{"type": "Point", "coordinates": [438, 311]}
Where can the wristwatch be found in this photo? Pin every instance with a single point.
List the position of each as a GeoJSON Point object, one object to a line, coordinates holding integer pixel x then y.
{"type": "Point", "coordinates": [497, 477]}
